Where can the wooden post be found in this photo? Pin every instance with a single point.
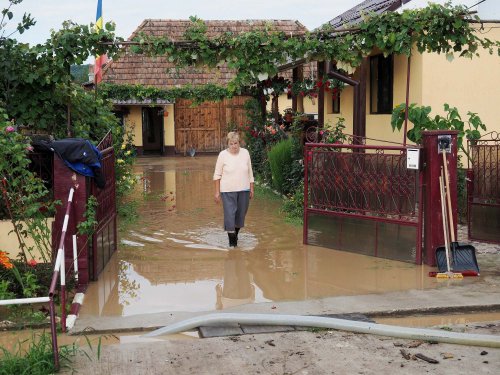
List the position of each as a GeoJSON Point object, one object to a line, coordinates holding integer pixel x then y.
{"type": "Point", "coordinates": [321, 95]}
{"type": "Point", "coordinates": [295, 78]}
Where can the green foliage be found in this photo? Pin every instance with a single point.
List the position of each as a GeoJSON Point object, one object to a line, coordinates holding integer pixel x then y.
{"type": "Point", "coordinates": [80, 73]}
{"type": "Point", "coordinates": [436, 28]}
{"type": "Point", "coordinates": [420, 117]}
{"type": "Point", "coordinates": [280, 156]}
{"type": "Point", "coordinates": [198, 94]}
{"type": "Point", "coordinates": [462, 194]}
{"type": "Point", "coordinates": [334, 133]}
{"type": "Point", "coordinates": [293, 206]}
{"type": "Point", "coordinates": [25, 199]}
{"type": "Point", "coordinates": [88, 227]}
{"type": "Point", "coordinates": [36, 359]}
{"type": "Point", "coordinates": [35, 82]}
{"type": "Point", "coordinates": [310, 88]}
{"type": "Point", "coordinates": [27, 281]}
{"type": "Point", "coordinates": [26, 22]}
{"type": "Point", "coordinates": [5, 293]}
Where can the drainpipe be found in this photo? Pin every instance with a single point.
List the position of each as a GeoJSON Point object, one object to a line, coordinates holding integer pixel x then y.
{"type": "Point", "coordinates": [407, 100]}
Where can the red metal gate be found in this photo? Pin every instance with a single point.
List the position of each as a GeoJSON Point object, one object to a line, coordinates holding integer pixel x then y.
{"type": "Point", "coordinates": [483, 190]}
{"type": "Point", "coordinates": [363, 199]}
{"type": "Point", "coordinates": [104, 239]}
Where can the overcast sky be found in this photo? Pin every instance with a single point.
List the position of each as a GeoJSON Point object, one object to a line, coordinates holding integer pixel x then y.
{"type": "Point", "coordinates": [128, 14]}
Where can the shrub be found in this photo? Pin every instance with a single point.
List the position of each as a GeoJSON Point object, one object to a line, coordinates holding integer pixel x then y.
{"type": "Point", "coordinates": [280, 157]}
{"type": "Point", "coordinates": [293, 206]}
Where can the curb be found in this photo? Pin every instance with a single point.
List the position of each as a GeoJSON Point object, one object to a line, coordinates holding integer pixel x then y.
{"type": "Point", "coordinates": [75, 309]}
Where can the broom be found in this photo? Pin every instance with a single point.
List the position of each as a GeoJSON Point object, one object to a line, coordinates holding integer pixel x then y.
{"type": "Point", "coordinates": [449, 274]}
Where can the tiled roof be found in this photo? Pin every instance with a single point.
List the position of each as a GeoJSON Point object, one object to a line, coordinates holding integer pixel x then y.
{"type": "Point", "coordinates": [353, 15]}
{"type": "Point", "coordinates": [130, 68]}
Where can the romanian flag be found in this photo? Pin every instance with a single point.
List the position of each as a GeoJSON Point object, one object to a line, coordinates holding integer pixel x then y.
{"type": "Point", "coordinates": [99, 60]}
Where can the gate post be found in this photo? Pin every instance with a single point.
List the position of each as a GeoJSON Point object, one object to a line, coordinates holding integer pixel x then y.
{"type": "Point", "coordinates": [433, 161]}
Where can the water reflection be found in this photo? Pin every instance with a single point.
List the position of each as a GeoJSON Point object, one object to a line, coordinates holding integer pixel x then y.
{"type": "Point", "coordinates": [236, 288]}
{"type": "Point", "coordinates": [176, 257]}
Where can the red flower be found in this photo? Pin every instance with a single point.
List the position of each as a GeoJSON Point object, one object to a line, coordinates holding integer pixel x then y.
{"type": "Point", "coordinates": [32, 263]}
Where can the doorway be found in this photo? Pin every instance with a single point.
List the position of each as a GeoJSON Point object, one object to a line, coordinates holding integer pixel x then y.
{"type": "Point", "coordinates": [152, 131]}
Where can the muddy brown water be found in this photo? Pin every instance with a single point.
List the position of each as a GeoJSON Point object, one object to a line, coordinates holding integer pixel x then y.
{"type": "Point", "coordinates": [176, 256]}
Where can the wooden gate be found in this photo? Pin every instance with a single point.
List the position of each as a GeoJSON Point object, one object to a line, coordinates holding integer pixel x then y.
{"type": "Point", "coordinates": [205, 126]}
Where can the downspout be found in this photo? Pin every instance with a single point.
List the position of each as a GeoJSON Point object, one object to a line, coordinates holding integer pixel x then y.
{"type": "Point", "coordinates": [407, 99]}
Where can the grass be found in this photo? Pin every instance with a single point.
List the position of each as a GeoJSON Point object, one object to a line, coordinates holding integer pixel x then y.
{"type": "Point", "coordinates": [38, 358]}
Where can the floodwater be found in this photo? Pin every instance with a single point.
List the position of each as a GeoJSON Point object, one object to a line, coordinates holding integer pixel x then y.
{"type": "Point", "coordinates": [176, 256]}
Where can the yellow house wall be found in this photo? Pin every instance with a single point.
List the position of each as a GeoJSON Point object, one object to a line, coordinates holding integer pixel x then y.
{"type": "Point", "coordinates": [467, 84]}
{"type": "Point", "coordinates": [283, 103]}
{"type": "Point", "coordinates": [346, 106]}
{"type": "Point", "coordinates": [168, 126]}
{"type": "Point", "coordinates": [9, 242]}
{"type": "Point", "coordinates": [310, 106]}
{"type": "Point", "coordinates": [133, 123]}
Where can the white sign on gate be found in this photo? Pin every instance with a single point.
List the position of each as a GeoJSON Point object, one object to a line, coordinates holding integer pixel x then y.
{"type": "Point", "coordinates": [412, 158]}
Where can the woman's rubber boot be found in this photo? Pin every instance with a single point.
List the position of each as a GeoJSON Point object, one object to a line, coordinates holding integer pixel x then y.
{"type": "Point", "coordinates": [232, 239]}
{"type": "Point", "coordinates": [236, 230]}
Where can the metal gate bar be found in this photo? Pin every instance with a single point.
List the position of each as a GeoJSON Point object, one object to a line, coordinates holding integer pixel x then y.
{"type": "Point", "coordinates": [365, 183]}
{"type": "Point", "coordinates": [483, 190]}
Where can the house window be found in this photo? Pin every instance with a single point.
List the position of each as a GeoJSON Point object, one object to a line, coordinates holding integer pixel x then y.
{"type": "Point", "coordinates": [332, 100]}
{"type": "Point", "coordinates": [381, 79]}
{"type": "Point", "coordinates": [336, 103]}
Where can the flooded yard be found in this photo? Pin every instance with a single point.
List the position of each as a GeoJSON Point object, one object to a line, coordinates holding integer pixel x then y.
{"type": "Point", "coordinates": [176, 256]}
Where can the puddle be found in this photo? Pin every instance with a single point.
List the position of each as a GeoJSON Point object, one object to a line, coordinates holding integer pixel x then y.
{"type": "Point", "coordinates": [440, 320]}
{"type": "Point", "coordinates": [10, 340]}
{"type": "Point", "coordinates": [176, 257]}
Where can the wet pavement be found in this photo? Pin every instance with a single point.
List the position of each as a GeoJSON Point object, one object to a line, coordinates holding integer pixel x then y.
{"type": "Point", "coordinates": [175, 262]}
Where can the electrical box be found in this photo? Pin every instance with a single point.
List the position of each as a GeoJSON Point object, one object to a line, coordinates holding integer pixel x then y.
{"type": "Point", "coordinates": [412, 158]}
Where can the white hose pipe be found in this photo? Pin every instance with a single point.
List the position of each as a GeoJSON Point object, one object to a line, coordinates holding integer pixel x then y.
{"type": "Point", "coordinates": [333, 323]}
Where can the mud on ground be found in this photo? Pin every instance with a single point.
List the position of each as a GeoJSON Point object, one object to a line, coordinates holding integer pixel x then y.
{"type": "Point", "coordinates": [303, 352]}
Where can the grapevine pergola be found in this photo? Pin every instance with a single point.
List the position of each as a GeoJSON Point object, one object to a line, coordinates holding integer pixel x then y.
{"type": "Point", "coordinates": [437, 28]}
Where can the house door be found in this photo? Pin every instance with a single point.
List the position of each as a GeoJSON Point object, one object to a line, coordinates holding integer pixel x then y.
{"type": "Point", "coordinates": [152, 130]}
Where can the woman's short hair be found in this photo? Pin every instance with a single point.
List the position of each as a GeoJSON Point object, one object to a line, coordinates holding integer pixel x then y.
{"type": "Point", "coordinates": [233, 136]}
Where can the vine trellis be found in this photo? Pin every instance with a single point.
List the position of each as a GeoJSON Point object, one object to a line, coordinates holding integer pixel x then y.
{"type": "Point", "coordinates": [437, 28]}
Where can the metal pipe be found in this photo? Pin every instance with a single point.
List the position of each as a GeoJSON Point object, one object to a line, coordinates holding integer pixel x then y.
{"type": "Point", "coordinates": [407, 102]}
{"type": "Point", "coordinates": [75, 258]}
{"type": "Point", "coordinates": [62, 275]}
{"type": "Point", "coordinates": [55, 349]}
{"type": "Point", "coordinates": [409, 333]}
{"type": "Point", "coordinates": [23, 301]}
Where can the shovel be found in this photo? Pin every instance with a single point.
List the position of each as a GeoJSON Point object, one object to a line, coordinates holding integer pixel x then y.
{"type": "Point", "coordinates": [448, 274]}
{"type": "Point", "coordinates": [463, 256]}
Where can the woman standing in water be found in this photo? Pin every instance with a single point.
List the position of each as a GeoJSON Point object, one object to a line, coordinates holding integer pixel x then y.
{"type": "Point", "coordinates": [234, 181]}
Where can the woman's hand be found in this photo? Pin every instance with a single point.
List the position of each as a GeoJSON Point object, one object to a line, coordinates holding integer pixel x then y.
{"type": "Point", "coordinates": [217, 198]}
